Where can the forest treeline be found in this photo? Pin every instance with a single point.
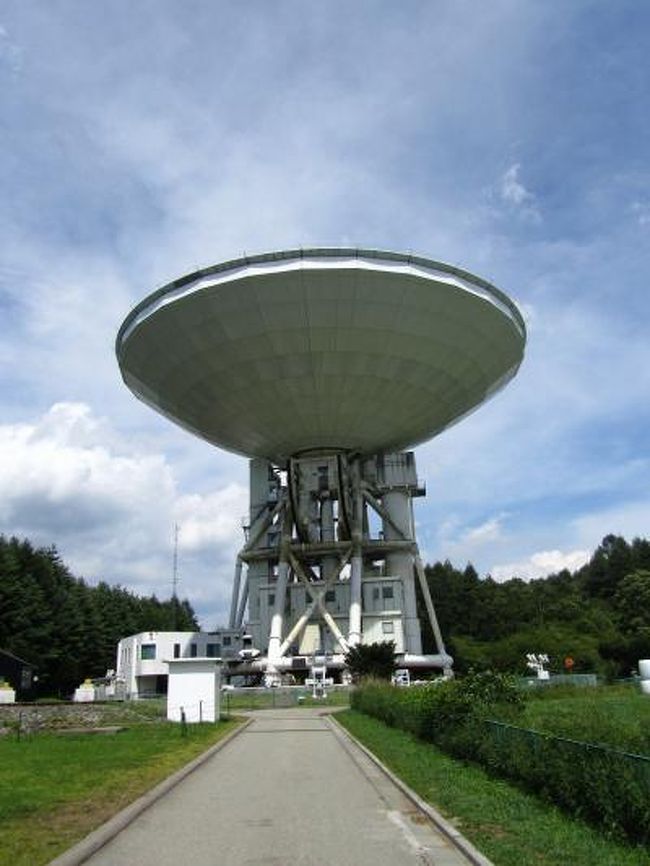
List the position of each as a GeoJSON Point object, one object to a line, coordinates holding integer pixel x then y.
{"type": "Point", "coordinates": [599, 616]}
{"type": "Point", "coordinates": [66, 627]}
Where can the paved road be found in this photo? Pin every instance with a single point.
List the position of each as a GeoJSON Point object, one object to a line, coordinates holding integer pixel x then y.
{"type": "Point", "coordinates": [288, 791]}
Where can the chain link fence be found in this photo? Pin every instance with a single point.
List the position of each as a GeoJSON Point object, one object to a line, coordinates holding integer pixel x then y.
{"type": "Point", "coordinates": [243, 699]}
{"type": "Point", "coordinates": [607, 785]}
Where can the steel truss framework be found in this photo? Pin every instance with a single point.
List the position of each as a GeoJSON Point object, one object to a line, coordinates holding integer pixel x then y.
{"type": "Point", "coordinates": [334, 525]}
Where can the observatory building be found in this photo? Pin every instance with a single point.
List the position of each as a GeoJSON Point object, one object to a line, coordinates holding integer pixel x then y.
{"type": "Point", "coordinates": [322, 366]}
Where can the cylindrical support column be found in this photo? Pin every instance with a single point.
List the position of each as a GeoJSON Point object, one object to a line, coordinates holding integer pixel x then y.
{"type": "Point", "coordinates": [277, 620]}
{"type": "Point", "coordinates": [261, 503]}
{"type": "Point", "coordinates": [398, 507]}
{"type": "Point", "coordinates": [356, 571]}
{"type": "Point", "coordinates": [433, 619]}
{"type": "Point", "coordinates": [234, 602]}
{"type": "Point", "coordinates": [243, 601]}
{"type": "Point", "coordinates": [329, 563]}
{"type": "Point", "coordinates": [275, 636]}
{"type": "Point", "coordinates": [354, 630]}
{"type": "Point", "coordinates": [297, 629]}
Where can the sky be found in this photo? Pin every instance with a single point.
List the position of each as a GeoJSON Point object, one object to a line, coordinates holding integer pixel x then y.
{"type": "Point", "coordinates": [140, 141]}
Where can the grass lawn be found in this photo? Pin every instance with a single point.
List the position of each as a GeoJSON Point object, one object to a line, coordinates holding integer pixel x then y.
{"type": "Point", "coordinates": [618, 716]}
{"type": "Point", "coordinates": [510, 827]}
{"type": "Point", "coordinates": [55, 789]}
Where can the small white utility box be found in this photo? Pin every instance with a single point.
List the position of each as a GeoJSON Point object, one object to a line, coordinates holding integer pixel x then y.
{"type": "Point", "coordinates": [194, 686]}
{"type": "Point", "coordinates": [85, 693]}
{"type": "Point", "coordinates": [7, 694]}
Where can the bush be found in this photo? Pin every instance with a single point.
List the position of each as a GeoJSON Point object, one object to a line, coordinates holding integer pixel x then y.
{"type": "Point", "coordinates": [605, 786]}
{"type": "Point", "coordinates": [437, 708]}
{"type": "Point", "coordinates": [372, 660]}
{"type": "Point", "coordinates": [602, 785]}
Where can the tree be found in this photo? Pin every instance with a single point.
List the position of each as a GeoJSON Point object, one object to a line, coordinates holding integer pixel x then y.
{"type": "Point", "coordinates": [607, 567]}
{"type": "Point", "coordinates": [67, 628]}
{"type": "Point", "coordinates": [372, 660]}
{"type": "Point", "coordinates": [632, 601]}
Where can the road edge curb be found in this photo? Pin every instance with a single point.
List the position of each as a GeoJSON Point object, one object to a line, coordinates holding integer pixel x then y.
{"type": "Point", "coordinates": [81, 851]}
{"type": "Point", "coordinates": [446, 828]}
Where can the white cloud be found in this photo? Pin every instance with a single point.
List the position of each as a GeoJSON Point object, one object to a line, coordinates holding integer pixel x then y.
{"type": "Point", "coordinates": [460, 542]}
{"type": "Point", "coordinates": [213, 519]}
{"type": "Point", "coordinates": [10, 52]}
{"type": "Point", "coordinates": [629, 518]}
{"type": "Point", "coordinates": [642, 212]}
{"type": "Point", "coordinates": [68, 479]}
{"type": "Point", "coordinates": [387, 133]}
{"type": "Point", "coordinates": [515, 194]}
{"type": "Point", "coordinates": [61, 461]}
{"type": "Point", "coordinates": [511, 189]}
{"type": "Point", "coordinates": [491, 530]}
{"type": "Point", "coordinates": [541, 564]}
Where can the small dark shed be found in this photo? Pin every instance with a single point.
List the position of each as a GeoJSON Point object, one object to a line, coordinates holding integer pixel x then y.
{"type": "Point", "coordinates": [17, 672]}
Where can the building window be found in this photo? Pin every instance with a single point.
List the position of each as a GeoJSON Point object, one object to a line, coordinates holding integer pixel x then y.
{"type": "Point", "coordinates": [387, 591]}
{"type": "Point", "coordinates": [271, 599]}
{"type": "Point", "coordinates": [148, 651]}
{"type": "Point", "coordinates": [177, 650]}
{"type": "Point", "coordinates": [213, 650]}
{"type": "Point", "coordinates": [375, 593]}
{"type": "Point", "coordinates": [193, 649]}
{"type": "Point", "coordinates": [330, 595]}
{"type": "Point", "coordinates": [226, 640]}
{"type": "Point", "coordinates": [388, 627]}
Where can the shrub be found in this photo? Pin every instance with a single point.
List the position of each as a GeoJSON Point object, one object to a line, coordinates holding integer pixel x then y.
{"type": "Point", "coordinates": [372, 660]}
{"type": "Point", "coordinates": [600, 784]}
{"type": "Point", "coordinates": [435, 709]}
{"type": "Point", "coordinates": [605, 786]}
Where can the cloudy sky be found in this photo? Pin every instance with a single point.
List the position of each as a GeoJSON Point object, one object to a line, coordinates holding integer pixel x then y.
{"type": "Point", "coordinates": [141, 140]}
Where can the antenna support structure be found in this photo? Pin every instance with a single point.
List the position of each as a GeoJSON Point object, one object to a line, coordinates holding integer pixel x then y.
{"type": "Point", "coordinates": [324, 367]}
{"type": "Point", "coordinates": [332, 562]}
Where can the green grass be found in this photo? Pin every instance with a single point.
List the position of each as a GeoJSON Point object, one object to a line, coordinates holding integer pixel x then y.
{"type": "Point", "coordinates": [55, 789]}
{"type": "Point", "coordinates": [617, 716]}
{"type": "Point", "coordinates": [510, 827]}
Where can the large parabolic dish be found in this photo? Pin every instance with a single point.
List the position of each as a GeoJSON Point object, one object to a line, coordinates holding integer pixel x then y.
{"type": "Point", "coordinates": [360, 350]}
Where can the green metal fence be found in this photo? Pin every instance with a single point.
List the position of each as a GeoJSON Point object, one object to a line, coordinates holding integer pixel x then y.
{"type": "Point", "coordinates": [244, 699]}
{"type": "Point", "coordinates": [595, 781]}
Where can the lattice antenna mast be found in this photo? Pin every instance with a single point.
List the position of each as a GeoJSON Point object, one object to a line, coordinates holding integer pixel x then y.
{"type": "Point", "coordinates": [175, 579]}
{"type": "Point", "coordinates": [175, 564]}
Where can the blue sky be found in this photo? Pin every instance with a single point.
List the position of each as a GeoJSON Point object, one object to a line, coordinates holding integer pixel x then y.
{"type": "Point", "coordinates": [139, 141]}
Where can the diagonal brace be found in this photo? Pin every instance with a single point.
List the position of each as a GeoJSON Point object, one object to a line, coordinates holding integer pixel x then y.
{"type": "Point", "coordinates": [317, 601]}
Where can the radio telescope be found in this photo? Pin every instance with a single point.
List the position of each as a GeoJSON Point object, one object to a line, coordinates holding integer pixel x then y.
{"type": "Point", "coordinates": [321, 366]}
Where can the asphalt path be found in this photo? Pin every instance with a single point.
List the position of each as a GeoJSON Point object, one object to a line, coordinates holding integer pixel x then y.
{"type": "Point", "coordinates": [288, 791]}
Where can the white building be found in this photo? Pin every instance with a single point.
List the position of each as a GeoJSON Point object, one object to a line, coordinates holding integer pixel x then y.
{"type": "Point", "coordinates": [141, 658]}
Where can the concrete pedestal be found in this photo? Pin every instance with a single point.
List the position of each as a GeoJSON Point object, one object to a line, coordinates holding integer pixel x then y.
{"type": "Point", "coordinates": [85, 694]}
{"type": "Point", "coordinates": [194, 687]}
